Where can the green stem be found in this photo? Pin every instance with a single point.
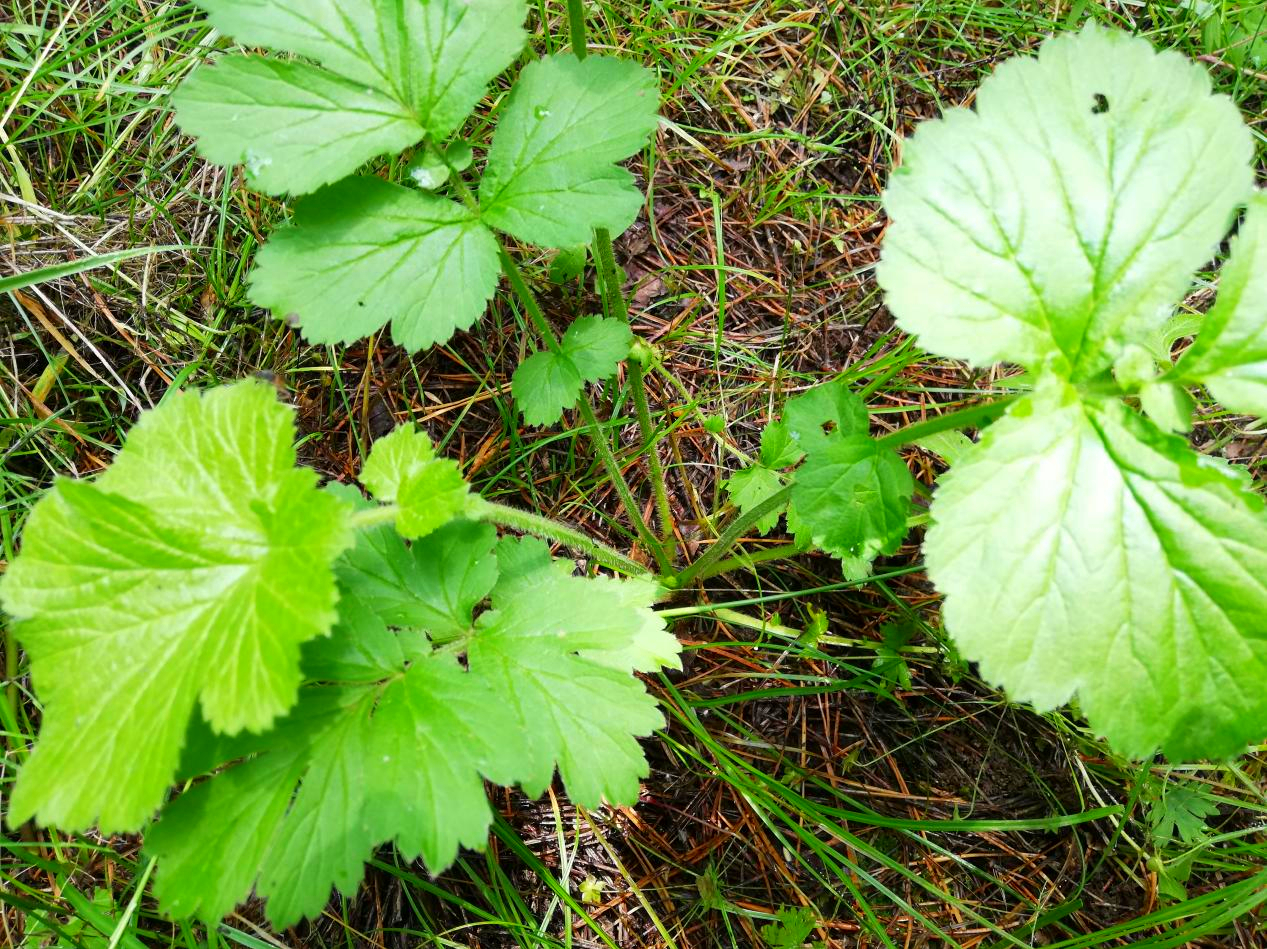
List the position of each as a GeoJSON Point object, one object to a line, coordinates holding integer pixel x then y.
{"type": "Point", "coordinates": [649, 442]}
{"type": "Point", "coordinates": [605, 257]}
{"type": "Point", "coordinates": [599, 439]}
{"type": "Point", "coordinates": [971, 417]}
{"type": "Point", "coordinates": [597, 436]}
{"type": "Point", "coordinates": [745, 560]}
{"type": "Point", "coordinates": [576, 27]}
{"type": "Point", "coordinates": [546, 527]}
{"type": "Point", "coordinates": [731, 535]}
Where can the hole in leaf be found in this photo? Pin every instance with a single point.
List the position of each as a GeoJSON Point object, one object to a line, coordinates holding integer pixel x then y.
{"type": "Point", "coordinates": [1101, 104]}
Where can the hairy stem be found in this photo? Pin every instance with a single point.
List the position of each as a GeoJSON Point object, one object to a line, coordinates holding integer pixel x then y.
{"type": "Point", "coordinates": [373, 516]}
{"type": "Point", "coordinates": [550, 529]}
{"type": "Point", "coordinates": [597, 436]}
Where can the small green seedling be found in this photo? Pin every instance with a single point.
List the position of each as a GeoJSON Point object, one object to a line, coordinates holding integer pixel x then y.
{"type": "Point", "coordinates": [381, 78]}
{"type": "Point", "coordinates": [1084, 549]}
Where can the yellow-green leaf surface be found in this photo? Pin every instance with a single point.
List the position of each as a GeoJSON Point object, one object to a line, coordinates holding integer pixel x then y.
{"type": "Point", "coordinates": [392, 743]}
{"type": "Point", "coordinates": [1064, 216]}
{"type": "Point", "coordinates": [1230, 353]}
{"type": "Point", "coordinates": [1083, 553]}
{"type": "Point", "coordinates": [188, 574]}
{"type": "Point", "coordinates": [403, 469]}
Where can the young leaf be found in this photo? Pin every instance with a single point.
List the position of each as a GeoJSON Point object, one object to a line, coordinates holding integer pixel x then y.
{"type": "Point", "coordinates": [363, 252]}
{"type": "Point", "coordinates": [780, 450]}
{"type": "Point", "coordinates": [790, 929]}
{"type": "Point", "coordinates": [403, 469]}
{"type": "Point", "coordinates": [1065, 216]}
{"type": "Point", "coordinates": [749, 488]}
{"type": "Point", "coordinates": [1230, 354]}
{"type": "Point", "coordinates": [395, 73]}
{"type": "Point", "coordinates": [188, 573]}
{"type": "Point", "coordinates": [852, 497]}
{"type": "Point", "coordinates": [547, 383]}
{"type": "Point", "coordinates": [1179, 813]}
{"type": "Point", "coordinates": [551, 176]}
{"type": "Point", "coordinates": [293, 127]}
{"type": "Point", "coordinates": [1083, 552]}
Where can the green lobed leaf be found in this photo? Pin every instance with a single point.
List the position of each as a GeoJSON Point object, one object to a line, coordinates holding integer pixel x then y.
{"type": "Point", "coordinates": [189, 573]}
{"type": "Point", "coordinates": [362, 252]}
{"type": "Point", "coordinates": [1064, 217]}
{"type": "Point", "coordinates": [402, 759]}
{"type": "Point", "coordinates": [551, 177]}
{"type": "Point", "coordinates": [432, 585]}
{"type": "Point", "coordinates": [547, 383]}
{"type": "Point", "coordinates": [814, 418]}
{"type": "Point", "coordinates": [393, 72]}
{"type": "Point", "coordinates": [293, 127]}
{"type": "Point", "coordinates": [1084, 553]}
{"type": "Point", "coordinates": [557, 650]}
{"type": "Point", "coordinates": [343, 775]}
{"type": "Point", "coordinates": [749, 488]}
{"type": "Point", "coordinates": [403, 469]}
{"type": "Point", "coordinates": [779, 449]}
{"type": "Point", "coordinates": [852, 497]}
{"type": "Point", "coordinates": [1230, 353]}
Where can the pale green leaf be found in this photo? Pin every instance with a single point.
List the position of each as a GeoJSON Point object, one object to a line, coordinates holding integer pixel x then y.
{"type": "Point", "coordinates": [552, 658]}
{"type": "Point", "coordinates": [614, 617]}
{"type": "Point", "coordinates": [547, 383]}
{"type": "Point", "coordinates": [1230, 353]}
{"type": "Point", "coordinates": [1168, 405]}
{"type": "Point", "coordinates": [749, 488]}
{"type": "Point", "coordinates": [1065, 216]}
{"type": "Point", "coordinates": [1084, 553]}
{"type": "Point", "coordinates": [363, 252]}
{"type": "Point", "coordinates": [293, 127]}
{"type": "Point", "coordinates": [552, 176]}
{"type": "Point", "coordinates": [189, 573]}
{"type": "Point", "coordinates": [403, 469]}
